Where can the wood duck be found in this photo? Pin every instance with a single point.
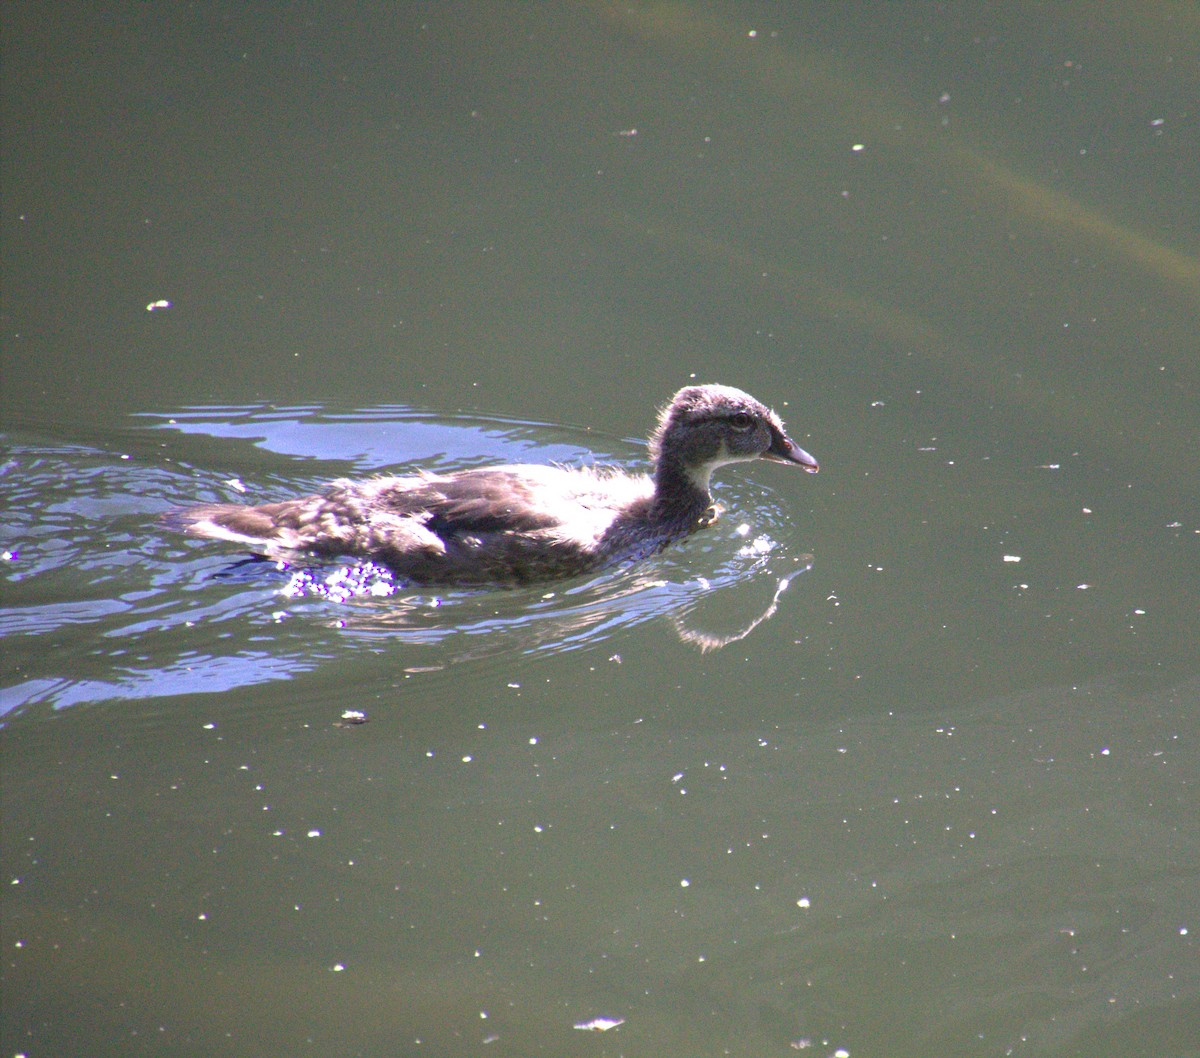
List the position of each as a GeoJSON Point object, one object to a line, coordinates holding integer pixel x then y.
{"type": "Point", "coordinates": [519, 523]}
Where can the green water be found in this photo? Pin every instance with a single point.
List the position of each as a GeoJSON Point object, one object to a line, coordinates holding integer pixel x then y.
{"type": "Point", "coordinates": [942, 801]}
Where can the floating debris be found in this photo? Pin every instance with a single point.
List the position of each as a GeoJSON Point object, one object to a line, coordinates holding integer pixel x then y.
{"type": "Point", "coordinates": [599, 1024]}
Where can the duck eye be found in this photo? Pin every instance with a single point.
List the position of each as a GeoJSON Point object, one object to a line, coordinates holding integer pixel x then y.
{"type": "Point", "coordinates": [741, 421]}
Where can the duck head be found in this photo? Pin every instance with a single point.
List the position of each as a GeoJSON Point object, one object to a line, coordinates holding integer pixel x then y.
{"type": "Point", "coordinates": [704, 427]}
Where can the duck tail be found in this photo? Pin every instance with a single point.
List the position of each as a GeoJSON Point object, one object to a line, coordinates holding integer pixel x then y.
{"type": "Point", "coordinates": [229, 521]}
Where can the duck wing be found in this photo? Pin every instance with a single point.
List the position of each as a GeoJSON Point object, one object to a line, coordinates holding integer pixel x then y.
{"type": "Point", "coordinates": [488, 500]}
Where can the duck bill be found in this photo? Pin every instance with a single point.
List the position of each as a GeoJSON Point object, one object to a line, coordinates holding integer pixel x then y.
{"type": "Point", "coordinates": [784, 450]}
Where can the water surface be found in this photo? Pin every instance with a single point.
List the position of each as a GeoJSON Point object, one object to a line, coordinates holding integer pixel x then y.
{"type": "Point", "coordinates": [941, 800]}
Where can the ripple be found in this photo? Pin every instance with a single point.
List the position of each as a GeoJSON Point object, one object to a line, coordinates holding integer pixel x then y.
{"type": "Point", "coordinates": [103, 603]}
{"type": "Point", "coordinates": [367, 602]}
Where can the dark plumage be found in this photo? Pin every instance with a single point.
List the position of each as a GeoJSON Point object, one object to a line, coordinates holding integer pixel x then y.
{"type": "Point", "coordinates": [522, 522]}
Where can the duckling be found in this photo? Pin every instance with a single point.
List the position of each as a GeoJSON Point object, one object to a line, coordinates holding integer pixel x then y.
{"type": "Point", "coordinates": [519, 523]}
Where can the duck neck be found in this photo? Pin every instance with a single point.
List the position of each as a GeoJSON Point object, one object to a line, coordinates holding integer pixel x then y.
{"type": "Point", "coordinates": [681, 496]}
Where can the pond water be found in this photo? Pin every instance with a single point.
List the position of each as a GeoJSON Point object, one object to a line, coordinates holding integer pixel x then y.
{"type": "Point", "coordinates": [897, 760]}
